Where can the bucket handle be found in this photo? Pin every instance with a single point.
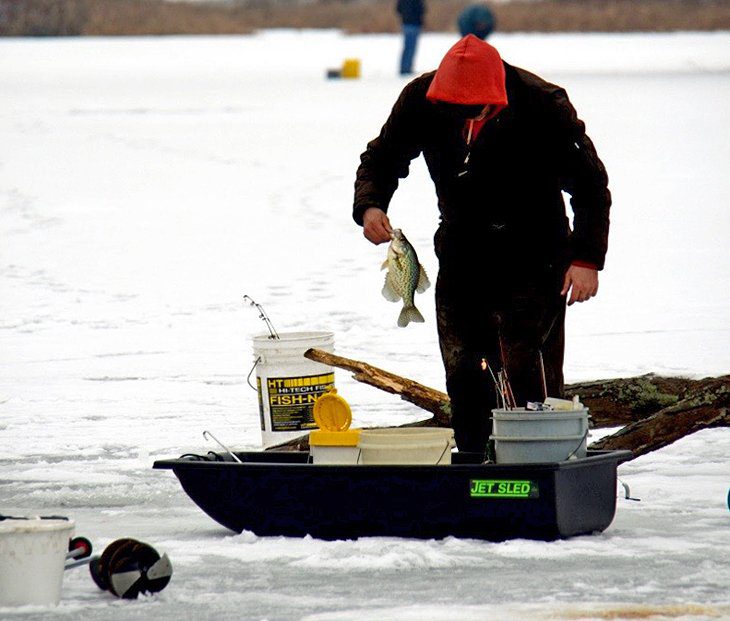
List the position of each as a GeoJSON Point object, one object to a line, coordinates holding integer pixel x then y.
{"type": "Point", "coordinates": [575, 450]}
{"type": "Point", "coordinates": [446, 448]}
{"type": "Point", "coordinates": [248, 377]}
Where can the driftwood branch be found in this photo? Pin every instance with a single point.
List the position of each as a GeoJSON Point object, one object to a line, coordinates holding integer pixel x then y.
{"type": "Point", "coordinates": [623, 401]}
{"type": "Point", "coordinates": [704, 408]}
{"type": "Point", "coordinates": [613, 403]}
{"type": "Point", "coordinates": [653, 411]}
{"type": "Point", "coordinates": [426, 398]}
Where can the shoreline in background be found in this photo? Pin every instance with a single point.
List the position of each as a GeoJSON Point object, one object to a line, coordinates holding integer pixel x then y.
{"type": "Point", "coordinates": [158, 17]}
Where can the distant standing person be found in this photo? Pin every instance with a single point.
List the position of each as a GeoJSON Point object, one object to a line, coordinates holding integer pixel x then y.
{"type": "Point", "coordinates": [411, 14]}
{"type": "Point", "coordinates": [476, 19]}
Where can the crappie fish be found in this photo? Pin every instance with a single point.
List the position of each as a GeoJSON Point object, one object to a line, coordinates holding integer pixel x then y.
{"type": "Point", "coordinates": [405, 276]}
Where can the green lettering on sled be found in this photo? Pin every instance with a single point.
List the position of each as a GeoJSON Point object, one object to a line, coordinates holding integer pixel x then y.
{"type": "Point", "coordinates": [500, 488]}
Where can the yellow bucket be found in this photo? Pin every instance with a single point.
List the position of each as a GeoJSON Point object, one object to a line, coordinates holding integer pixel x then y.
{"type": "Point", "coordinates": [334, 442]}
{"type": "Point", "coordinates": [351, 68]}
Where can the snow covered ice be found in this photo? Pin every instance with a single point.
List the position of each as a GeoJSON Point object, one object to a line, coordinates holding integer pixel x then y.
{"type": "Point", "coordinates": [146, 185]}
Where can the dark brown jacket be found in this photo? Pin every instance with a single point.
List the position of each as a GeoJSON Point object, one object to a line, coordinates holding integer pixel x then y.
{"type": "Point", "coordinates": [508, 204]}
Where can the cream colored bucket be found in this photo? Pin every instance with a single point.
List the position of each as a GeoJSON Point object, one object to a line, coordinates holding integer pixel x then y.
{"type": "Point", "coordinates": [288, 384]}
{"type": "Point", "coordinates": [406, 445]}
{"type": "Point", "coordinates": [32, 558]}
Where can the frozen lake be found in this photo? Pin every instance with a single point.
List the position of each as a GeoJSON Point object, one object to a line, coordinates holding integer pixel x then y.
{"type": "Point", "coordinates": [146, 185]}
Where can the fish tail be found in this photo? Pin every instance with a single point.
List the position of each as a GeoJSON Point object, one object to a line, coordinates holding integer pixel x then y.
{"type": "Point", "coordinates": [408, 314]}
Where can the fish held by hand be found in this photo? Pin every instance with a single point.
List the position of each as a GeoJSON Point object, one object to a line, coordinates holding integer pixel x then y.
{"type": "Point", "coordinates": [405, 277]}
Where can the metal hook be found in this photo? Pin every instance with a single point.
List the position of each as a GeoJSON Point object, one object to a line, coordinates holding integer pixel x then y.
{"type": "Point", "coordinates": [207, 433]}
{"type": "Point", "coordinates": [627, 491]}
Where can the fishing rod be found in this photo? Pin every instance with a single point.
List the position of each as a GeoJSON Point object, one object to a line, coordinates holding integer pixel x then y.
{"type": "Point", "coordinates": [273, 334]}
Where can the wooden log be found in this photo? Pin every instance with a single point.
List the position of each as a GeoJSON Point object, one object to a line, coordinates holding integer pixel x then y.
{"type": "Point", "coordinates": [703, 408]}
{"type": "Point", "coordinates": [618, 402]}
{"type": "Point", "coordinates": [613, 402]}
{"type": "Point", "coordinates": [426, 398]}
{"type": "Point", "coordinates": [653, 411]}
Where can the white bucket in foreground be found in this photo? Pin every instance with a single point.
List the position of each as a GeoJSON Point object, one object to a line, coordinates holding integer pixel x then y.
{"type": "Point", "coordinates": [288, 383]}
{"type": "Point", "coordinates": [527, 436]}
{"type": "Point", "coordinates": [32, 558]}
{"type": "Point", "coordinates": [406, 445]}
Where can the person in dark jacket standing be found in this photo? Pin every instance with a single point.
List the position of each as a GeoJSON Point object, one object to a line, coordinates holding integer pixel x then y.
{"type": "Point", "coordinates": [411, 14]}
{"type": "Point", "coordinates": [501, 145]}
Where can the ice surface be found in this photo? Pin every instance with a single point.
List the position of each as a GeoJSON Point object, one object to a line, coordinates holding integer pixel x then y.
{"type": "Point", "coordinates": [147, 184]}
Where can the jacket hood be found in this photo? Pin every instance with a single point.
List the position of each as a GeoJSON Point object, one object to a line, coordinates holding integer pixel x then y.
{"type": "Point", "coordinates": [471, 73]}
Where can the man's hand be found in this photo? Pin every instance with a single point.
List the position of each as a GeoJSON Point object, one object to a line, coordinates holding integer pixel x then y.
{"type": "Point", "coordinates": [582, 282]}
{"type": "Point", "coordinates": [376, 225]}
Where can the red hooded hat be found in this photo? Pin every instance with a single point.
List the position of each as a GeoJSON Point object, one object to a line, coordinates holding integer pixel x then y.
{"type": "Point", "coordinates": [471, 73]}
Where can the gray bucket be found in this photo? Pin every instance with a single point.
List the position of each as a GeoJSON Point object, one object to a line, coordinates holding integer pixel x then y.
{"type": "Point", "coordinates": [527, 437]}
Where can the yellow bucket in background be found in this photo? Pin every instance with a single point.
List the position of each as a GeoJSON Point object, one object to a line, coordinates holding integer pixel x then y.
{"type": "Point", "coordinates": [351, 68]}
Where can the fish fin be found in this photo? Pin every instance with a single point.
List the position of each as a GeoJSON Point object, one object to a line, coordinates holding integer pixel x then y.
{"type": "Point", "coordinates": [389, 292]}
{"type": "Point", "coordinates": [423, 281]}
{"type": "Point", "coordinates": [408, 314]}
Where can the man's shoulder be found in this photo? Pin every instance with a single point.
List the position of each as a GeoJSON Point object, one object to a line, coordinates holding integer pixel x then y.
{"type": "Point", "coordinates": [536, 94]}
{"type": "Point", "coordinates": [414, 93]}
{"type": "Point", "coordinates": [523, 79]}
{"type": "Point", "coordinates": [418, 86]}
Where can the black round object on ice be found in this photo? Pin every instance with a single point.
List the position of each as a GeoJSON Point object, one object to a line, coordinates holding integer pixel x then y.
{"type": "Point", "coordinates": [128, 567]}
{"type": "Point", "coordinates": [99, 568]}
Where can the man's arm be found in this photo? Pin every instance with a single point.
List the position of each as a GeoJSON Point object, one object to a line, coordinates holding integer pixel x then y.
{"type": "Point", "coordinates": [387, 159]}
{"type": "Point", "coordinates": [584, 177]}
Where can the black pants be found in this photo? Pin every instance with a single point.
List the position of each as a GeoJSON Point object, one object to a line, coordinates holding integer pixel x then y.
{"type": "Point", "coordinates": [507, 321]}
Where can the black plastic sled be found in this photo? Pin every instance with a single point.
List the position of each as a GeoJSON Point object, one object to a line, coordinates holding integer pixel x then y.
{"type": "Point", "coordinates": [280, 493]}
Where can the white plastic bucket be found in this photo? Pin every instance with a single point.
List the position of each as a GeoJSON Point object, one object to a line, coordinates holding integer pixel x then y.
{"type": "Point", "coordinates": [32, 558]}
{"type": "Point", "coordinates": [334, 454]}
{"type": "Point", "coordinates": [333, 447]}
{"type": "Point", "coordinates": [288, 384]}
{"type": "Point", "coordinates": [527, 437]}
{"type": "Point", "coordinates": [406, 445]}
